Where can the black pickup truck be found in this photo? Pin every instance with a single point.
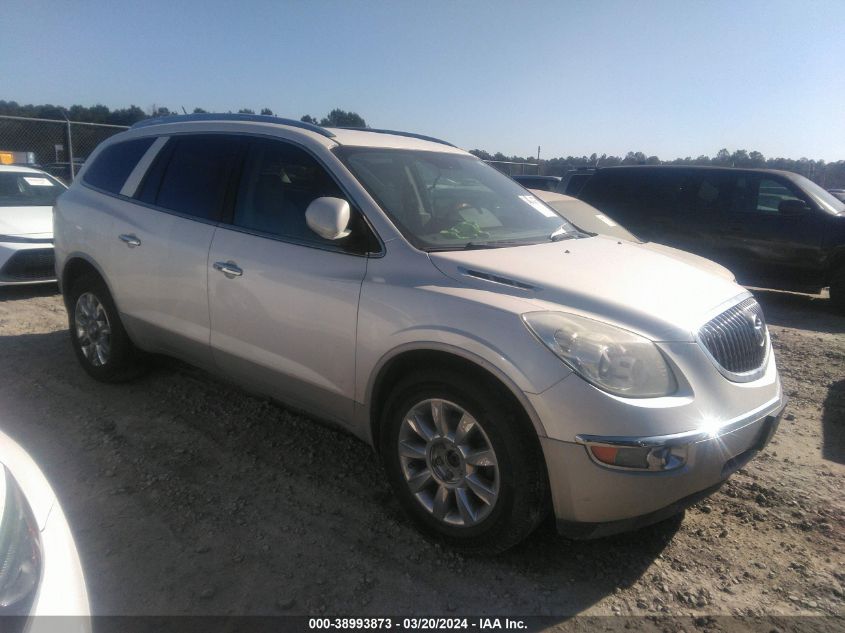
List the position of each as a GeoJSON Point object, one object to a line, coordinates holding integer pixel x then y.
{"type": "Point", "coordinates": [773, 229]}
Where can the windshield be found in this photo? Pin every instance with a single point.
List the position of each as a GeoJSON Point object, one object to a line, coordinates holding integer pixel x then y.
{"type": "Point", "coordinates": [28, 189]}
{"type": "Point", "coordinates": [820, 196]}
{"type": "Point", "coordinates": [590, 219]}
{"type": "Point", "coordinates": [445, 201]}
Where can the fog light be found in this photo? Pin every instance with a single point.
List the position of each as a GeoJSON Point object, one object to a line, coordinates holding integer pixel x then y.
{"type": "Point", "coordinates": [662, 457]}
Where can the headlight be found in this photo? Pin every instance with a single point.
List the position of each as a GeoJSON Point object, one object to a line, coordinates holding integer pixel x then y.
{"type": "Point", "coordinates": [20, 548]}
{"type": "Point", "coordinates": [613, 359]}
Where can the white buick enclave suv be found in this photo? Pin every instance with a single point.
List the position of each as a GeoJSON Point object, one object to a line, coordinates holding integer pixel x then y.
{"type": "Point", "coordinates": [501, 362]}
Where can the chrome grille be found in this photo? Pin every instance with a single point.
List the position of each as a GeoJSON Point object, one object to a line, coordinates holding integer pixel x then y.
{"type": "Point", "coordinates": [37, 264]}
{"type": "Point", "coordinates": [737, 338]}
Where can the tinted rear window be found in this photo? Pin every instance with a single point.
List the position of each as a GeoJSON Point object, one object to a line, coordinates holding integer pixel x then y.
{"type": "Point", "coordinates": [629, 193]}
{"type": "Point", "coordinates": [113, 165]}
{"type": "Point", "coordinates": [196, 175]}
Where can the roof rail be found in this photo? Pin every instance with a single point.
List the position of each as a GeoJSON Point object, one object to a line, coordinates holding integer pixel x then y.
{"type": "Point", "coordinates": [257, 118]}
{"type": "Point", "coordinates": [422, 137]}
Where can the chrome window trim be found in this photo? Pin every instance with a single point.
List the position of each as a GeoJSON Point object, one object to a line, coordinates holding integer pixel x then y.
{"type": "Point", "coordinates": [120, 196]}
{"type": "Point", "coordinates": [293, 241]}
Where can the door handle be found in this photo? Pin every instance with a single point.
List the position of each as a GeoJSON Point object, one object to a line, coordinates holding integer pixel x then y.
{"type": "Point", "coordinates": [130, 240]}
{"type": "Point", "coordinates": [230, 269]}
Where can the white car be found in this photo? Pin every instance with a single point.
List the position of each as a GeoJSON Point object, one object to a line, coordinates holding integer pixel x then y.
{"type": "Point", "coordinates": [26, 225]}
{"type": "Point", "coordinates": [40, 573]}
{"type": "Point", "coordinates": [502, 363]}
{"type": "Point", "coordinates": [588, 218]}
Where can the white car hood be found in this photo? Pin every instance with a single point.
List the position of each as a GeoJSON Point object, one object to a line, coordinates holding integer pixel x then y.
{"type": "Point", "coordinates": [26, 221]}
{"type": "Point", "coordinates": [690, 258]}
{"type": "Point", "coordinates": [648, 292]}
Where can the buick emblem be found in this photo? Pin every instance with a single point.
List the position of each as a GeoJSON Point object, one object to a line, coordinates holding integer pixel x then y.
{"type": "Point", "coordinates": [758, 328]}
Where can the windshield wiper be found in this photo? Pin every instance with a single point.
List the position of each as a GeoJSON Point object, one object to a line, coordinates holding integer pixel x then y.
{"type": "Point", "coordinates": [475, 245]}
{"type": "Point", "coordinates": [469, 246]}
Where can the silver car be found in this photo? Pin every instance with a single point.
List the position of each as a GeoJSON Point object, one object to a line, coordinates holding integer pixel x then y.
{"type": "Point", "coordinates": [502, 363]}
{"type": "Point", "coordinates": [40, 573]}
{"type": "Point", "coordinates": [26, 225]}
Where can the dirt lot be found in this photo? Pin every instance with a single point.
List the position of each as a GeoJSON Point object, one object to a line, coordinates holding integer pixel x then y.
{"type": "Point", "coordinates": [189, 496]}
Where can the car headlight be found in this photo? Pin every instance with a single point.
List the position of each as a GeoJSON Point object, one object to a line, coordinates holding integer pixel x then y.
{"type": "Point", "coordinates": [20, 548]}
{"type": "Point", "coordinates": [615, 360]}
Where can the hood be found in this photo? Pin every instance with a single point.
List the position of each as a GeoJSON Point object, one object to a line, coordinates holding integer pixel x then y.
{"type": "Point", "coordinates": [689, 258]}
{"type": "Point", "coordinates": [649, 292]}
{"type": "Point", "coordinates": [26, 220]}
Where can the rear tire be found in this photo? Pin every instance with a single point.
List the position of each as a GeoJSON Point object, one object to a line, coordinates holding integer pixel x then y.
{"type": "Point", "coordinates": [837, 289]}
{"type": "Point", "coordinates": [99, 339]}
{"type": "Point", "coordinates": [465, 464]}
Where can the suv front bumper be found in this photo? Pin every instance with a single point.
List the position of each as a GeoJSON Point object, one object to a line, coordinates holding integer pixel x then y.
{"type": "Point", "coordinates": [592, 500]}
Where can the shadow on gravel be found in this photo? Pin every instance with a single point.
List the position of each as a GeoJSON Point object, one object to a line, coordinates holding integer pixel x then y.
{"type": "Point", "coordinates": [189, 496]}
{"type": "Point", "coordinates": [833, 423]}
{"type": "Point", "coordinates": [806, 312]}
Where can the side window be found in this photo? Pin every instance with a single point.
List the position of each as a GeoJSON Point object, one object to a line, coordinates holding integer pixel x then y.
{"type": "Point", "coordinates": [278, 183]}
{"type": "Point", "coordinates": [191, 175]}
{"type": "Point", "coordinates": [770, 194]}
{"type": "Point", "coordinates": [709, 193]}
{"type": "Point", "coordinates": [114, 164]}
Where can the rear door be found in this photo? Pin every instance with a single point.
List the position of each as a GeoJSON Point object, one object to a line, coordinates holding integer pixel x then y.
{"type": "Point", "coordinates": [284, 301]}
{"type": "Point", "coordinates": [161, 243]}
{"type": "Point", "coordinates": [698, 199]}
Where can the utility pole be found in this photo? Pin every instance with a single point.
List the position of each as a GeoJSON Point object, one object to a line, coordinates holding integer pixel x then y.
{"type": "Point", "coordinates": [538, 161]}
{"type": "Point", "coordinates": [69, 136]}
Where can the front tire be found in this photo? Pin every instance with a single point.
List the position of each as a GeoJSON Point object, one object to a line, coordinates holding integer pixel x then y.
{"type": "Point", "coordinates": [464, 463]}
{"type": "Point", "coordinates": [99, 339]}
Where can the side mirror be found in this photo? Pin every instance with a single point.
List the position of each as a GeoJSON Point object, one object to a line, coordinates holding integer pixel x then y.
{"type": "Point", "coordinates": [792, 207]}
{"type": "Point", "coordinates": [328, 218]}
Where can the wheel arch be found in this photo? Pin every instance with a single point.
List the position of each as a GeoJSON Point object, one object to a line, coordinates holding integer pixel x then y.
{"type": "Point", "coordinates": [77, 265]}
{"type": "Point", "coordinates": [398, 363]}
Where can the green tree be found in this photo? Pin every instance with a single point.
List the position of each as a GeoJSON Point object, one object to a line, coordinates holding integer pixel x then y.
{"type": "Point", "coordinates": [342, 118]}
{"type": "Point", "coordinates": [723, 157]}
{"type": "Point", "coordinates": [480, 153]}
{"type": "Point", "coordinates": [126, 116]}
{"type": "Point", "coordinates": [266, 112]}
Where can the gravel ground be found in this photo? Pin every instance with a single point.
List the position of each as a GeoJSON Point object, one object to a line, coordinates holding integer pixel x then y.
{"type": "Point", "coordinates": [189, 496]}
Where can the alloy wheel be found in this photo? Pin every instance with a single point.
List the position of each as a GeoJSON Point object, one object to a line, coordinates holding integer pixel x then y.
{"type": "Point", "coordinates": [448, 462]}
{"type": "Point", "coordinates": [93, 330]}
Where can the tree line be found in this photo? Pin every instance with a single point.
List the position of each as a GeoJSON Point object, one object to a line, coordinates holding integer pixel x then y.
{"type": "Point", "coordinates": [131, 115]}
{"type": "Point", "coordinates": [826, 174]}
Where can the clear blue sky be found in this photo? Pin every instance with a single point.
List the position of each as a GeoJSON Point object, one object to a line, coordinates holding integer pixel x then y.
{"type": "Point", "coordinates": [673, 78]}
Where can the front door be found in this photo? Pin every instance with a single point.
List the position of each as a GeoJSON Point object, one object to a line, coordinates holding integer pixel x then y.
{"type": "Point", "coordinates": [284, 301]}
{"type": "Point", "coordinates": [770, 247]}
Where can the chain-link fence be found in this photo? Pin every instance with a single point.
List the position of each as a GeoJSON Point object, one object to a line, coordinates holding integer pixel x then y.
{"type": "Point", "coordinates": [58, 147]}
{"type": "Point", "coordinates": [515, 169]}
